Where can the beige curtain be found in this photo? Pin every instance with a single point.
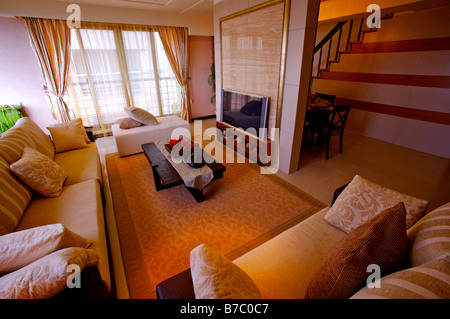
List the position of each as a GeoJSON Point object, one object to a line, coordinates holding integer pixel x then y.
{"type": "Point", "coordinates": [50, 40]}
{"type": "Point", "coordinates": [175, 42]}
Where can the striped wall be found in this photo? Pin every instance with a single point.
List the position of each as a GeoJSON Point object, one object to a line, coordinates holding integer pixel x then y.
{"type": "Point", "coordinates": [398, 81]}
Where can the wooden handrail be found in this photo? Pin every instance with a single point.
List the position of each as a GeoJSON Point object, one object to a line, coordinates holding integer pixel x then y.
{"type": "Point", "coordinates": [330, 34]}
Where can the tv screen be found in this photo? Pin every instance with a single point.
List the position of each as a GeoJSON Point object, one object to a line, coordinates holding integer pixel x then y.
{"type": "Point", "coordinates": [245, 111]}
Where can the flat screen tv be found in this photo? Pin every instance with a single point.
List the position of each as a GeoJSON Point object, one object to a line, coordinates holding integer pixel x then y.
{"type": "Point", "coordinates": [245, 111]}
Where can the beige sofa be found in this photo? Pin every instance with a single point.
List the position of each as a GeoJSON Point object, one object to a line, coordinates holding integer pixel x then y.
{"type": "Point", "coordinates": [284, 267]}
{"type": "Point", "coordinates": [79, 207]}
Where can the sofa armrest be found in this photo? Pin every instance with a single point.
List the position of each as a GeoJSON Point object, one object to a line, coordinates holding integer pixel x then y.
{"type": "Point", "coordinates": [177, 287]}
{"type": "Point", "coordinates": [338, 192]}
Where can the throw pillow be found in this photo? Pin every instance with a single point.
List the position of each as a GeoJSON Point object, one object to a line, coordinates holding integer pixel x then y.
{"type": "Point", "coordinates": [39, 173]}
{"type": "Point", "coordinates": [14, 198]}
{"type": "Point", "coordinates": [141, 115]}
{"type": "Point", "coordinates": [21, 248]}
{"type": "Point", "coordinates": [429, 239]}
{"type": "Point", "coordinates": [362, 199]}
{"type": "Point", "coordinates": [343, 271]}
{"type": "Point", "coordinates": [75, 122]}
{"type": "Point", "coordinates": [41, 140]}
{"type": "Point", "coordinates": [67, 137]}
{"type": "Point", "coordinates": [127, 123]}
{"type": "Point", "coordinates": [429, 281]}
{"type": "Point", "coordinates": [216, 277]}
{"type": "Point", "coordinates": [12, 144]}
{"type": "Point", "coordinates": [46, 277]}
{"type": "Point", "coordinates": [252, 108]}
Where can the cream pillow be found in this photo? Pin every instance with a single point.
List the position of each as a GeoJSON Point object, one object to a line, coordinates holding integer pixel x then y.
{"type": "Point", "coordinates": [39, 173]}
{"type": "Point", "coordinates": [67, 137]}
{"type": "Point", "coordinates": [75, 122]}
{"type": "Point", "coordinates": [141, 115]}
{"type": "Point", "coordinates": [46, 277]}
{"type": "Point", "coordinates": [216, 277]}
{"type": "Point", "coordinates": [362, 199]}
{"type": "Point", "coordinates": [21, 248]}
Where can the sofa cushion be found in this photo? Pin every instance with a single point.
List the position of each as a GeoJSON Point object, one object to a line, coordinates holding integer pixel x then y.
{"type": "Point", "coordinates": [39, 172]}
{"type": "Point", "coordinates": [75, 122]}
{"type": "Point", "coordinates": [214, 276]}
{"type": "Point", "coordinates": [12, 144]}
{"type": "Point", "coordinates": [81, 164]}
{"type": "Point", "coordinates": [14, 198]}
{"type": "Point", "coordinates": [430, 280]}
{"type": "Point", "coordinates": [46, 277]}
{"type": "Point", "coordinates": [362, 199]}
{"type": "Point", "coordinates": [80, 209]}
{"type": "Point", "coordinates": [41, 140]}
{"type": "Point", "coordinates": [279, 267]}
{"type": "Point", "coordinates": [67, 137]}
{"type": "Point", "coordinates": [381, 240]}
{"type": "Point", "coordinates": [429, 239]}
{"type": "Point", "coordinates": [21, 248]}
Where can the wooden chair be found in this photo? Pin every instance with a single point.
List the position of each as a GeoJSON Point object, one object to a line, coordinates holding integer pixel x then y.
{"type": "Point", "coordinates": [328, 97]}
{"type": "Point", "coordinates": [335, 126]}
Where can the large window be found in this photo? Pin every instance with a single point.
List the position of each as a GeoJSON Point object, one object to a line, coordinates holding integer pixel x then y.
{"type": "Point", "coordinates": [114, 67]}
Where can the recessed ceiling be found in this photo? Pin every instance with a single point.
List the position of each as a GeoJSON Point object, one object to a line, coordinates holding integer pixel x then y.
{"type": "Point", "coordinates": [188, 7]}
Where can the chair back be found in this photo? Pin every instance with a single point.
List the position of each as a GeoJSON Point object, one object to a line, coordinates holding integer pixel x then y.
{"type": "Point", "coordinates": [338, 119]}
{"type": "Point", "coordinates": [328, 97]}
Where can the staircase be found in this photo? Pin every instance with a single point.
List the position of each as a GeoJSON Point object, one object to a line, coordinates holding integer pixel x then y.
{"type": "Point", "coordinates": [340, 40]}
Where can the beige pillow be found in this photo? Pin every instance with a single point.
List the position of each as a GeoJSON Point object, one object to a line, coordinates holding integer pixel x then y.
{"type": "Point", "coordinates": [39, 173]}
{"type": "Point", "coordinates": [12, 144]}
{"type": "Point", "coordinates": [343, 271]}
{"type": "Point", "coordinates": [21, 248]}
{"type": "Point", "coordinates": [141, 115]}
{"type": "Point", "coordinates": [41, 140]}
{"type": "Point", "coordinates": [127, 123]}
{"type": "Point", "coordinates": [363, 199]}
{"type": "Point", "coordinates": [428, 281]}
{"type": "Point", "coordinates": [67, 137]}
{"type": "Point", "coordinates": [75, 122]}
{"type": "Point", "coordinates": [216, 277]}
{"type": "Point", "coordinates": [46, 277]}
{"type": "Point", "coordinates": [429, 238]}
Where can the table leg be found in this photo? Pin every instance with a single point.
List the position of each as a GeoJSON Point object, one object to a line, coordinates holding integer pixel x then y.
{"type": "Point", "coordinates": [157, 180]}
{"type": "Point", "coordinates": [196, 193]}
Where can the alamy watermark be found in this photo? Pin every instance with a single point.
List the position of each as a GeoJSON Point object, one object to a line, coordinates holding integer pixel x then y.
{"type": "Point", "coordinates": [74, 19]}
{"type": "Point", "coordinates": [374, 20]}
{"type": "Point", "coordinates": [74, 278]}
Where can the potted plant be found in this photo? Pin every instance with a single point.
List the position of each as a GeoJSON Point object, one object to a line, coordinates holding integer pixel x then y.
{"type": "Point", "coordinates": [212, 80]}
{"type": "Point", "coordinates": [9, 114]}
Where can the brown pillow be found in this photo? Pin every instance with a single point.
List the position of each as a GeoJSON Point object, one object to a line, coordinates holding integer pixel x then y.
{"type": "Point", "coordinates": [381, 240]}
{"type": "Point", "coordinates": [128, 122]}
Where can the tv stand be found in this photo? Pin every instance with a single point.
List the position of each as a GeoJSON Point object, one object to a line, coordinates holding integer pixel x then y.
{"type": "Point", "coordinates": [246, 144]}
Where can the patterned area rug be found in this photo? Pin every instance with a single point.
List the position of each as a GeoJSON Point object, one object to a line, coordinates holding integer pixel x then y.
{"type": "Point", "coordinates": [157, 230]}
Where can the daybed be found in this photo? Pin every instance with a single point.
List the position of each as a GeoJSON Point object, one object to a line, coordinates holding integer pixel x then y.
{"type": "Point", "coordinates": [317, 259]}
{"type": "Point", "coordinates": [70, 218]}
{"type": "Point", "coordinates": [129, 141]}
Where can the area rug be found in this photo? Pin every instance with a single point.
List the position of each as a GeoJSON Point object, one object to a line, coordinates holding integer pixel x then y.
{"type": "Point", "coordinates": [157, 230]}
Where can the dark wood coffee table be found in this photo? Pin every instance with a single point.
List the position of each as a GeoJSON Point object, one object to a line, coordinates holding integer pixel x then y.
{"type": "Point", "coordinates": [166, 176]}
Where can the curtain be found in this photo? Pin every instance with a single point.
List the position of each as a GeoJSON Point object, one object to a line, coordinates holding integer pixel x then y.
{"type": "Point", "coordinates": [175, 42]}
{"type": "Point", "coordinates": [50, 40]}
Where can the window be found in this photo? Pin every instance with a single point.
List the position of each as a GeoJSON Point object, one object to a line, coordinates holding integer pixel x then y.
{"type": "Point", "coordinates": [112, 68]}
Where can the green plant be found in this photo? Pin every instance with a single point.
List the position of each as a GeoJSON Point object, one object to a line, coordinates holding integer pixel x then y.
{"type": "Point", "coordinates": [9, 114]}
{"type": "Point", "coordinates": [212, 80]}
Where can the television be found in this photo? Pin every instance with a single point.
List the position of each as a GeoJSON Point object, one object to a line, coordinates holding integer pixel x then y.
{"type": "Point", "coordinates": [245, 111]}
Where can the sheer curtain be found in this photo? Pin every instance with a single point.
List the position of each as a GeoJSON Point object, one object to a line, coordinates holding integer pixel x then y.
{"type": "Point", "coordinates": [114, 66]}
{"type": "Point", "coordinates": [50, 40]}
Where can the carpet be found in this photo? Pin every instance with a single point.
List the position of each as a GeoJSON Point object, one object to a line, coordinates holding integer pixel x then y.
{"type": "Point", "coordinates": [157, 230]}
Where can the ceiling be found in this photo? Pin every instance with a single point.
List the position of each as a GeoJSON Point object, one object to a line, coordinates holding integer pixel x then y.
{"type": "Point", "coordinates": [188, 7]}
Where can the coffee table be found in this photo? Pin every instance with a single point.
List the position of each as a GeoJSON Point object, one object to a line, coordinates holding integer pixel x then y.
{"type": "Point", "coordinates": [166, 176]}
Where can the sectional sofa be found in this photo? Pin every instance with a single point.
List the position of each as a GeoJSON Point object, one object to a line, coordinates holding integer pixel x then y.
{"type": "Point", "coordinates": [335, 254]}
{"type": "Point", "coordinates": [74, 212]}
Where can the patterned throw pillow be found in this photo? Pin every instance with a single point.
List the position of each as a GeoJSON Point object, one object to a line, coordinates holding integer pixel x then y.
{"type": "Point", "coordinates": [46, 277]}
{"type": "Point", "coordinates": [343, 271]}
{"type": "Point", "coordinates": [429, 239]}
{"type": "Point", "coordinates": [21, 248]}
{"type": "Point", "coordinates": [362, 199]}
{"type": "Point", "coordinates": [39, 173]}
{"type": "Point", "coordinates": [216, 277]}
{"type": "Point", "coordinates": [428, 281]}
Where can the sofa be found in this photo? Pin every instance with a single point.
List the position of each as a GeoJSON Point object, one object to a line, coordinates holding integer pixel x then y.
{"type": "Point", "coordinates": [67, 219]}
{"type": "Point", "coordinates": [129, 140]}
{"type": "Point", "coordinates": [326, 256]}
